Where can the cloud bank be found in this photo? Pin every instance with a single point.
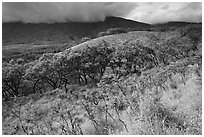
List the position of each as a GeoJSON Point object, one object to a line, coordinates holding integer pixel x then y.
{"type": "Point", "coordinates": [159, 12]}
{"type": "Point", "coordinates": [62, 12]}
{"type": "Point", "coordinates": [49, 12]}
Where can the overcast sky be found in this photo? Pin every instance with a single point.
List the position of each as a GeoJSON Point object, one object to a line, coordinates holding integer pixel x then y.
{"type": "Point", "coordinates": [152, 12]}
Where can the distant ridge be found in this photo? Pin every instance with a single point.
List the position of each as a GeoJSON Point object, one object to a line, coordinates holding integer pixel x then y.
{"type": "Point", "coordinates": [43, 33]}
{"type": "Point", "coordinates": [175, 23]}
{"type": "Point", "coordinates": [21, 33]}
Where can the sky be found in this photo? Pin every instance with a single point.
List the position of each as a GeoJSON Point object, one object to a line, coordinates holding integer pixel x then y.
{"type": "Point", "coordinates": [148, 12]}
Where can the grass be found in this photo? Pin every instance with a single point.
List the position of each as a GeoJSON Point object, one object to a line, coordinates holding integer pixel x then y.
{"type": "Point", "coordinates": [30, 52]}
{"type": "Point", "coordinates": [152, 110]}
{"type": "Point", "coordinates": [164, 100]}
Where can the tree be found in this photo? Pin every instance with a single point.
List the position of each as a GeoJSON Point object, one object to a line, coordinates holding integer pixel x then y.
{"type": "Point", "coordinates": [132, 57]}
{"type": "Point", "coordinates": [44, 71]}
{"type": "Point", "coordinates": [12, 79]}
{"type": "Point", "coordinates": [95, 59]}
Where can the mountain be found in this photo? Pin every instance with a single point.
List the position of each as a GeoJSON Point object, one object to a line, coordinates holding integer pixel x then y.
{"type": "Point", "coordinates": [42, 33]}
{"type": "Point", "coordinates": [29, 41]}
{"type": "Point", "coordinates": [173, 25]}
{"type": "Point", "coordinates": [56, 33]}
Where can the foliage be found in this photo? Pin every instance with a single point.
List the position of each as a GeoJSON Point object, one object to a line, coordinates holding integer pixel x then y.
{"type": "Point", "coordinates": [131, 87]}
{"type": "Point", "coordinates": [101, 34]}
{"type": "Point", "coordinates": [84, 39]}
{"type": "Point", "coordinates": [194, 33]}
{"type": "Point", "coordinates": [137, 105]}
{"type": "Point", "coordinates": [112, 31]}
{"type": "Point", "coordinates": [133, 57]}
{"type": "Point", "coordinates": [12, 79]}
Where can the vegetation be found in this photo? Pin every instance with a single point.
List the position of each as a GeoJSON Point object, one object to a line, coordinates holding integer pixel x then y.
{"type": "Point", "coordinates": [84, 39]}
{"type": "Point", "coordinates": [112, 31]}
{"type": "Point", "coordinates": [136, 87]}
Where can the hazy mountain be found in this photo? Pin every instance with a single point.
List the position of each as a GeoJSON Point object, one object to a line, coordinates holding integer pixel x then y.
{"type": "Point", "coordinates": [173, 25]}
{"type": "Point", "coordinates": [18, 33]}
{"type": "Point", "coordinates": [43, 33]}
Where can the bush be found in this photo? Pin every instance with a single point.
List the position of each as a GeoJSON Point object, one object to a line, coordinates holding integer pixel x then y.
{"type": "Point", "coordinates": [71, 37]}
{"type": "Point", "coordinates": [84, 39]}
{"type": "Point", "coordinates": [101, 34]}
{"type": "Point", "coordinates": [112, 31]}
{"type": "Point", "coordinates": [12, 79]}
{"type": "Point", "coordinates": [20, 60]}
{"type": "Point", "coordinates": [194, 32]}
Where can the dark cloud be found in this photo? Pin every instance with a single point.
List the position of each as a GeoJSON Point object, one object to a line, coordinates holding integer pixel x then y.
{"type": "Point", "coordinates": [62, 12]}
{"type": "Point", "coordinates": [154, 12]}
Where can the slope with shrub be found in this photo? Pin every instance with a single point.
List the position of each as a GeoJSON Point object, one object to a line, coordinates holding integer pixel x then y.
{"type": "Point", "coordinates": [104, 86]}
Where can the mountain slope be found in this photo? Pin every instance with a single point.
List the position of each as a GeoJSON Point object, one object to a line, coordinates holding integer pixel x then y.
{"type": "Point", "coordinates": [15, 33]}
{"type": "Point", "coordinates": [160, 101]}
{"type": "Point", "coordinates": [150, 84]}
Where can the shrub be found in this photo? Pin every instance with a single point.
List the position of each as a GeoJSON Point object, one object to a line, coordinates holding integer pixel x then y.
{"type": "Point", "coordinates": [71, 37]}
{"type": "Point", "coordinates": [12, 79]}
{"type": "Point", "coordinates": [101, 34]}
{"type": "Point", "coordinates": [194, 32]}
{"type": "Point", "coordinates": [112, 31]}
{"type": "Point", "coordinates": [84, 39]}
{"type": "Point", "coordinates": [20, 60]}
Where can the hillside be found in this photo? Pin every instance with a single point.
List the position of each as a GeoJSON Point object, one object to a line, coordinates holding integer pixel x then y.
{"type": "Point", "coordinates": [55, 33]}
{"type": "Point", "coordinates": [140, 82]}
{"type": "Point", "coordinates": [175, 24]}
{"type": "Point", "coordinates": [20, 33]}
{"type": "Point", "coordinates": [161, 101]}
{"type": "Point", "coordinates": [30, 41]}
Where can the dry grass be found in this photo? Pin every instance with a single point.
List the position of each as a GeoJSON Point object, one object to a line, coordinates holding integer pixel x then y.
{"type": "Point", "coordinates": [165, 100]}
{"type": "Point", "coordinates": [174, 107]}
